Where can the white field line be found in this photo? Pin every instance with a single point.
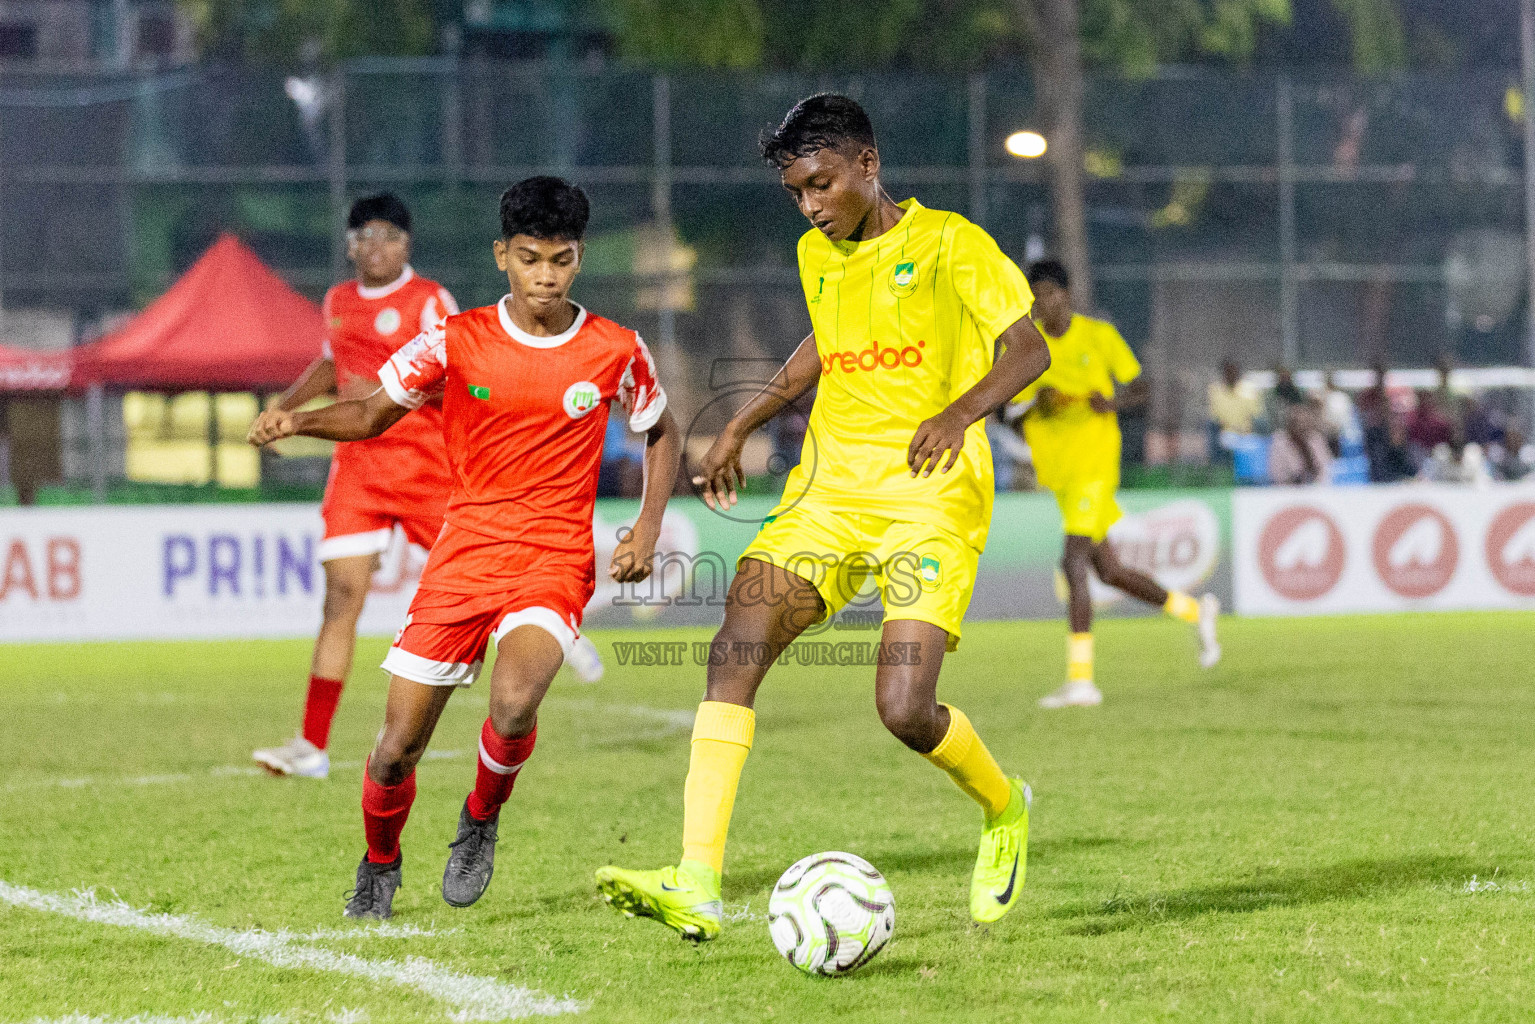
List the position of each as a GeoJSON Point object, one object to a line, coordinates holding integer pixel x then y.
{"type": "Point", "coordinates": [735, 915]}
{"type": "Point", "coordinates": [1492, 885]}
{"type": "Point", "coordinates": [669, 720]}
{"type": "Point", "coordinates": [219, 772]}
{"type": "Point", "coordinates": [382, 930]}
{"type": "Point", "coordinates": [471, 998]}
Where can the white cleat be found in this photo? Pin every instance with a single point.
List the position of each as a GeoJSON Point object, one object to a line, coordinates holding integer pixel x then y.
{"type": "Point", "coordinates": [296, 757]}
{"type": "Point", "coordinates": [1078, 694]}
{"type": "Point", "coordinates": [584, 661]}
{"type": "Point", "coordinates": [1209, 646]}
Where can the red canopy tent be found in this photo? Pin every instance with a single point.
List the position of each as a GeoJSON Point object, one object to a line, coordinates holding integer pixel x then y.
{"type": "Point", "coordinates": [228, 324]}
{"type": "Point", "coordinates": [23, 370]}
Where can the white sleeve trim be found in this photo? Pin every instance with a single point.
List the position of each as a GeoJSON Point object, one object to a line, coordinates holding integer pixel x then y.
{"type": "Point", "coordinates": [398, 393]}
{"type": "Point", "coordinates": [644, 419]}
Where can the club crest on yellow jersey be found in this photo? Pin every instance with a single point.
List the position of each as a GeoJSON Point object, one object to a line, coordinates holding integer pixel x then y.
{"type": "Point", "coordinates": [903, 278]}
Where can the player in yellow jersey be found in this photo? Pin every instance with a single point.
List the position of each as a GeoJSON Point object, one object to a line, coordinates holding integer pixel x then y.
{"type": "Point", "coordinates": [1073, 432]}
{"type": "Point", "coordinates": [894, 484]}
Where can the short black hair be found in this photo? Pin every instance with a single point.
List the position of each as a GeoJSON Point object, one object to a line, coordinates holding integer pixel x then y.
{"type": "Point", "coordinates": [384, 206]}
{"type": "Point", "coordinates": [823, 121]}
{"type": "Point", "coordinates": [545, 207]}
{"type": "Point", "coordinates": [1053, 271]}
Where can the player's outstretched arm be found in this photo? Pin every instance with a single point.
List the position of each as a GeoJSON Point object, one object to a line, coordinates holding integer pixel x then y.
{"type": "Point", "coordinates": [344, 421]}
{"type": "Point", "coordinates": [719, 473]}
{"type": "Point", "coordinates": [1021, 363]}
{"type": "Point", "coordinates": [633, 558]}
{"type": "Point", "coordinates": [319, 378]}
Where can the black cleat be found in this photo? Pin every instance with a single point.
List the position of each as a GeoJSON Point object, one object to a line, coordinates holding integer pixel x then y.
{"type": "Point", "coordinates": [472, 861]}
{"type": "Point", "coordinates": [374, 895]}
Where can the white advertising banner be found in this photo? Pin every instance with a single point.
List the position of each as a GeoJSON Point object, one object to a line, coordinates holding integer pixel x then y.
{"type": "Point", "coordinates": [1319, 550]}
{"type": "Point", "coordinates": [174, 572]}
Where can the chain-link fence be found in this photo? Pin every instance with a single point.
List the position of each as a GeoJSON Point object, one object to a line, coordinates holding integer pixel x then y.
{"type": "Point", "coordinates": [1312, 221]}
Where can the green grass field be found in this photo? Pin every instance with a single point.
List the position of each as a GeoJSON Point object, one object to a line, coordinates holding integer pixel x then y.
{"type": "Point", "coordinates": [1334, 825]}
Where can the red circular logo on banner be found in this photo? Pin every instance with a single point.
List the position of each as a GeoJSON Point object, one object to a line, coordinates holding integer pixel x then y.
{"type": "Point", "coordinates": [1301, 553]}
{"type": "Point", "coordinates": [1511, 549]}
{"type": "Point", "coordinates": [1415, 550]}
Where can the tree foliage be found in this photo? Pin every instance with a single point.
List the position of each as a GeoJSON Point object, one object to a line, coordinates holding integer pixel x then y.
{"type": "Point", "coordinates": [947, 35]}
{"type": "Point", "coordinates": [286, 32]}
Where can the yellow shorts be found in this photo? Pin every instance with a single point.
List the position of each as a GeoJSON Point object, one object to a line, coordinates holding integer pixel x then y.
{"type": "Point", "coordinates": [1088, 508]}
{"type": "Point", "coordinates": [922, 572]}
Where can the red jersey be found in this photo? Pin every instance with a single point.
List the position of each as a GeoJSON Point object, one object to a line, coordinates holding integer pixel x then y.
{"type": "Point", "coordinates": [406, 468]}
{"type": "Point", "coordinates": [524, 418]}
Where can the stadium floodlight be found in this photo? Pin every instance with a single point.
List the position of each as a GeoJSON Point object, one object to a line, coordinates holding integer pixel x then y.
{"type": "Point", "coordinates": [1027, 145]}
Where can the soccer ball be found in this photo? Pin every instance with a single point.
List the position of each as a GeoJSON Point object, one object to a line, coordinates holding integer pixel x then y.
{"type": "Point", "coordinates": [830, 913]}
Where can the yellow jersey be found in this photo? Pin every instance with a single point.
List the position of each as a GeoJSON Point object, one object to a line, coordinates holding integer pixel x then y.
{"type": "Point", "coordinates": [904, 324]}
{"type": "Point", "coordinates": [1073, 443]}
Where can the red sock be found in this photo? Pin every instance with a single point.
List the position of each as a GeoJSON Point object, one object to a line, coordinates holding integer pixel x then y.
{"type": "Point", "coordinates": [320, 709]}
{"type": "Point", "coordinates": [500, 761]}
{"type": "Point", "coordinates": [384, 810]}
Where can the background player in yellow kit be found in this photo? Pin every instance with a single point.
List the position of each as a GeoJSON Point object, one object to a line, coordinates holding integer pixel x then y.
{"type": "Point", "coordinates": [1073, 431]}
{"type": "Point", "coordinates": [895, 483]}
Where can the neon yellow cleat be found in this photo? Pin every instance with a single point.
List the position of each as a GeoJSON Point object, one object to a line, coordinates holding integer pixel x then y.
{"type": "Point", "coordinates": [685, 898]}
{"type": "Point", "coordinates": [1003, 859]}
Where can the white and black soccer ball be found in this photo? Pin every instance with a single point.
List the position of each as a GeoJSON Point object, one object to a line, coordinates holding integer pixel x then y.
{"type": "Point", "coordinates": [830, 913]}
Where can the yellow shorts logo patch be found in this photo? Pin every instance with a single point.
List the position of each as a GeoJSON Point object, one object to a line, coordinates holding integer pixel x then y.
{"type": "Point", "coordinates": [931, 571]}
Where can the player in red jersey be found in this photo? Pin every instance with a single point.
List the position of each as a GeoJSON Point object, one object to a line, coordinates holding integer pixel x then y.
{"type": "Point", "coordinates": [526, 385]}
{"type": "Point", "coordinates": [375, 483]}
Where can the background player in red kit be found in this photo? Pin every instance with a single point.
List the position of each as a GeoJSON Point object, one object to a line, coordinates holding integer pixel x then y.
{"type": "Point", "coordinates": [526, 387]}
{"type": "Point", "coordinates": [374, 483]}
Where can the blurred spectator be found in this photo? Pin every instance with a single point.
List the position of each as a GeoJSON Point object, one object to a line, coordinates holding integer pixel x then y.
{"type": "Point", "coordinates": [1513, 458]}
{"type": "Point", "coordinates": [1482, 425]}
{"type": "Point", "coordinates": [1011, 459]}
{"type": "Point", "coordinates": [1298, 453]}
{"type": "Point", "coordinates": [1337, 413]}
{"type": "Point", "coordinates": [1429, 426]}
{"type": "Point", "coordinates": [1374, 408]}
{"type": "Point", "coordinates": [1393, 459]}
{"type": "Point", "coordinates": [1284, 397]}
{"type": "Point", "coordinates": [1456, 464]}
{"type": "Point", "coordinates": [622, 474]}
{"type": "Point", "coordinates": [1234, 403]}
{"type": "Point", "coordinates": [1235, 409]}
{"type": "Point", "coordinates": [789, 428]}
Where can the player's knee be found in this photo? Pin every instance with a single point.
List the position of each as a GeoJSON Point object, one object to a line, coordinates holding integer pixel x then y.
{"type": "Point", "coordinates": [1074, 566]}
{"type": "Point", "coordinates": [392, 760]}
{"type": "Point", "coordinates": [512, 715]}
{"type": "Point", "coordinates": [912, 722]}
{"type": "Point", "coordinates": [343, 598]}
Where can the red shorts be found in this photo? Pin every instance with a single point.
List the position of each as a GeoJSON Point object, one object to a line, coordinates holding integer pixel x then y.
{"type": "Point", "coordinates": [473, 592]}
{"type": "Point", "coordinates": [358, 522]}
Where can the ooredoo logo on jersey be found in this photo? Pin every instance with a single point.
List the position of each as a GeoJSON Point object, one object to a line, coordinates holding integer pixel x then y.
{"type": "Point", "coordinates": [1415, 550]}
{"type": "Point", "coordinates": [1301, 553]}
{"type": "Point", "coordinates": [1511, 549]}
{"type": "Point", "coordinates": [875, 357]}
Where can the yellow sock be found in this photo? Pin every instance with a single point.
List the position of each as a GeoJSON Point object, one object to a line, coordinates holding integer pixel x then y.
{"type": "Point", "coordinates": [722, 737]}
{"type": "Point", "coordinates": [1079, 658]}
{"type": "Point", "coordinates": [962, 754]}
{"type": "Point", "coordinates": [1181, 606]}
